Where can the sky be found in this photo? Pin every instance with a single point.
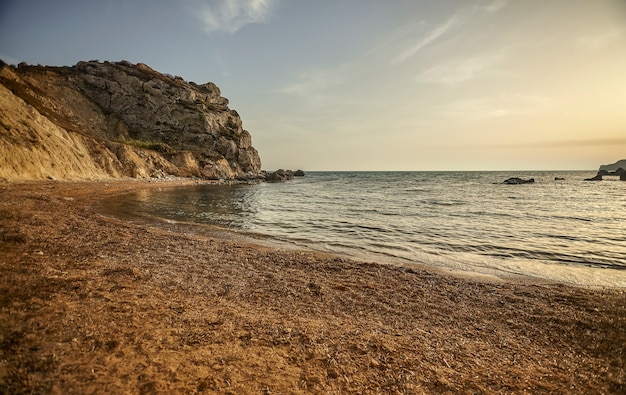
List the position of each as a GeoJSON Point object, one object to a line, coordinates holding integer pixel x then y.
{"type": "Point", "coordinates": [371, 84]}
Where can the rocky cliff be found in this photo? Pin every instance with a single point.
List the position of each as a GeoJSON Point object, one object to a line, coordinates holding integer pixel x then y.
{"type": "Point", "coordinates": [97, 120]}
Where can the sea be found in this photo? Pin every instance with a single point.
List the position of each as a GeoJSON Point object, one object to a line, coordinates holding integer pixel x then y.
{"type": "Point", "coordinates": [559, 228]}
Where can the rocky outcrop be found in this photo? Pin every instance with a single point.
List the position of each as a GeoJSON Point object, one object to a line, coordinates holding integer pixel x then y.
{"type": "Point", "coordinates": [97, 120]}
{"type": "Point", "coordinates": [614, 169]}
{"type": "Point", "coordinates": [621, 173]}
{"type": "Point", "coordinates": [281, 175]}
{"type": "Point", "coordinates": [517, 181]}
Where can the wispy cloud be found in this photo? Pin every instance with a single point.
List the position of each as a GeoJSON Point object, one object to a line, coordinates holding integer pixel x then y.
{"type": "Point", "coordinates": [430, 37]}
{"type": "Point", "coordinates": [496, 5]}
{"type": "Point", "coordinates": [229, 16]}
{"type": "Point", "coordinates": [599, 40]}
{"type": "Point", "coordinates": [451, 24]}
{"type": "Point", "coordinates": [458, 71]}
{"type": "Point", "coordinates": [500, 106]}
{"type": "Point", "coordinates": [312, 81]}
{"type": "Point", "coordinates": [398, 34]}
{"type": "Point", "coordinates": [315, 84]}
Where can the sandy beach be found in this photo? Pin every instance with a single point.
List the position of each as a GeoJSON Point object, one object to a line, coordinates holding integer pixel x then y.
{"type": "Point", "coordinates": [93, 304]}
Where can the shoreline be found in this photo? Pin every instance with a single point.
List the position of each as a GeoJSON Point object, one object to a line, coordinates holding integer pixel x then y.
{"type": "Point", "coordinates": [96, 303]}
{"type": "Point", "coordinates": [507, 270]}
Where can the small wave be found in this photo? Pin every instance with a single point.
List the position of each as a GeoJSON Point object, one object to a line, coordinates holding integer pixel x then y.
{"type": "Point", "coordinates": [563, 237]}
{"type": "Point", "coordinates": [443, 203]}
{"type": "Point", "coordinates": [579, 219]}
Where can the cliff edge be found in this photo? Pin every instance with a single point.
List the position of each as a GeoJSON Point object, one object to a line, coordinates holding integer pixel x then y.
{"type": "Point", "coordinates": [99, 120]}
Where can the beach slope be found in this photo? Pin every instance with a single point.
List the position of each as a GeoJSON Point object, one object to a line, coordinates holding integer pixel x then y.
{"type": "Point", "coordinates": [95, 304]}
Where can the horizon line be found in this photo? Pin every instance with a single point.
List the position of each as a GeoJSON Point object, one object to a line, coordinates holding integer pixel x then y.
{"type": "Point", "coordinates": [441, 171]}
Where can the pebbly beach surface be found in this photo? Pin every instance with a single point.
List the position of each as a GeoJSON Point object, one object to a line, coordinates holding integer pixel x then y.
{"type": "Point", "coordinates": [91, 303]}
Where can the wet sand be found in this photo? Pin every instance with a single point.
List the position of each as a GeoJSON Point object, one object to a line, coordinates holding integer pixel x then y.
{"type": "Point", "coordinates": [92, 304]}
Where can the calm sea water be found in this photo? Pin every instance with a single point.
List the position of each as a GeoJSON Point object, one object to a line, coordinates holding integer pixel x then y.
{"type": "Point", "coordinates": [569, 230]}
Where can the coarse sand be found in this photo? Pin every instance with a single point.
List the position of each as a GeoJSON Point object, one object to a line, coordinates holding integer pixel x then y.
{"type": "Point", "coordinates": [93, 304]}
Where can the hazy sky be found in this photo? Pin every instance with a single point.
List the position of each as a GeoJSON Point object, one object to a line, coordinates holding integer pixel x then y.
{"type": "Point", "coordinates": [371, 84]}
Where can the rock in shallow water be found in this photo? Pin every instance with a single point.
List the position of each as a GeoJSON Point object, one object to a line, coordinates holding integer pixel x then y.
{"type": "Point", "coordinates": [517, 181]}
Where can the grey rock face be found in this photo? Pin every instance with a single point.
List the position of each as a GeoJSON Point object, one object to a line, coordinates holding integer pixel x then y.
{"type": "Point", "coordinates": [144, 105]}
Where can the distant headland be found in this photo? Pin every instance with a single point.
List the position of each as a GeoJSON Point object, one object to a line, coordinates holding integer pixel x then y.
{"type": "Point", "coordinates": [617, 169]}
